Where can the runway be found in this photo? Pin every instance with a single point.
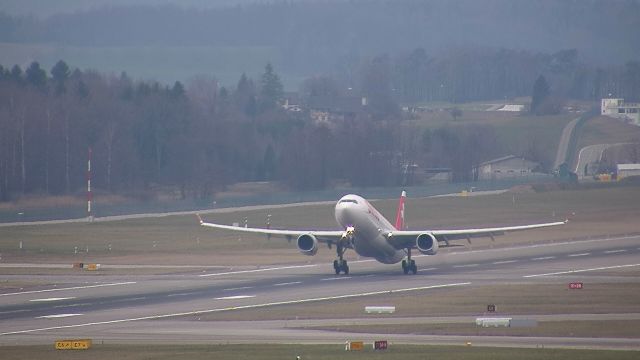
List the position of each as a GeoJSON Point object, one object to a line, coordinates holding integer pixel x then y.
{"type": "Point", "coordinates": [165, 308]}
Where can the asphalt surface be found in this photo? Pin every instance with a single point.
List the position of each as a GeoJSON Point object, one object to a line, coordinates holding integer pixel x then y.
{"type": "Point", "coordinates": [166, 308]}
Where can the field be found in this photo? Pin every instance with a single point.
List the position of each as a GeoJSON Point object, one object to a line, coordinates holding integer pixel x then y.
{"type": "Point", "coordinates": [510, 300]}
{"type": "Point", "coordinates": [516, 134]}
{"type": "Point", "coordinates": [306, 352]}
{"type": "Point", "coordinates": [606, 130]}
{"type": "Point", "coordinates": [178, 240]}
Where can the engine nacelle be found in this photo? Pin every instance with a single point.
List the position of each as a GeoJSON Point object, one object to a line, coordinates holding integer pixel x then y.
{"type": "Point", "coordinates": [427, 244]}
{"type": "Point", "coordinates": [307, 244]}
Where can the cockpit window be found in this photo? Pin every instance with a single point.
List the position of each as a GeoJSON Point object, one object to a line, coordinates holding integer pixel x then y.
{"type": "Point", "coordinates": [348, 201]}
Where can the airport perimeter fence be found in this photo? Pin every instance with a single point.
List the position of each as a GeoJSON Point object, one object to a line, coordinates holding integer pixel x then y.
{"type": "Point", "coordinates": [145, 207]}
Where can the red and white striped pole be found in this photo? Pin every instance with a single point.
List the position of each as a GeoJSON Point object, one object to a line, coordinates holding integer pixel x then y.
{"type": "Point", "coordinates": [89, 194]}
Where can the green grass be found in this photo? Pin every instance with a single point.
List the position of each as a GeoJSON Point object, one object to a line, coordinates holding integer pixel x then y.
{"type": "Point", "coordinates": [510, 300]}
{"type": "Point", "coordinates": [179, 239]}
{"type": "Point", "coordinates": [306, 352]}
{"type": "Point", "coordinates": [595, 329]}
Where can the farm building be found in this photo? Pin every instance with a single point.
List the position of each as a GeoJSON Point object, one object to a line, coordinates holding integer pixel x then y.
{"type": "Point", "coordinates": [506, 168]}
{"type": "Point", "coordinates": [620, 109]}
{"type": "Point", "coordinates": [626, 170]}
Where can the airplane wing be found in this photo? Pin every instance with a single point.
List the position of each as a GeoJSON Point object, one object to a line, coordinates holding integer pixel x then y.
{"type": "Point", "coordinates": [331, 236]}
{"type": "Point", "coordinates": [403, 239]}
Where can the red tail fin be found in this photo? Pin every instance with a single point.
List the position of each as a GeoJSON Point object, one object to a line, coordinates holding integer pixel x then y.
{"type": "Point", "coordinates": [400, 212]}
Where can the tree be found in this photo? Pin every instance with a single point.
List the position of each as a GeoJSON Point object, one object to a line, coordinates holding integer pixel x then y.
{"type": "Point", "coordinates": [271, 89]}
{"type": "Point", "coordinates": [540, 94]}
{"type": "Point", "coordinates": [60, 73]}
{"type": "Point", "coordinates": [36, 76]}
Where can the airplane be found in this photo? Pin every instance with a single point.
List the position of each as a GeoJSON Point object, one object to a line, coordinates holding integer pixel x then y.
{"type": "Point", "coordinates": [370, 234]}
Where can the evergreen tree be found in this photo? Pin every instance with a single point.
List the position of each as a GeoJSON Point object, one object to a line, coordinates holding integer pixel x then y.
{"type": "Point", "coordinates": [271, 90]}
{"type": "Point", "coordinates": [36, 76]}
{"type": "Point", "coordinates": [60, 73]}
{"type": "Point", "coordinates": [540, 93]}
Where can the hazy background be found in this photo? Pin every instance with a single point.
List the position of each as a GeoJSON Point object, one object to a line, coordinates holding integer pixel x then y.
{"type": "Point", "coordinates": [174, 40]}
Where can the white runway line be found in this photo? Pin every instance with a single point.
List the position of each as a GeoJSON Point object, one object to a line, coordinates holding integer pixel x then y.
{"type": "Point", "coordinates": [336, 278]}
{"type": "Point", "coordinates": [238, 288]}
{"type": "Point", "coordinates": [199, 312]}
{"type": "Point", "coordinates": [466, 266]}
{"type": "Point", "coordinates": [70, 288]}
{"type": "Point", "coordinates": [427, 269]}
{"type": "Point", "coordinates": [614, 251]}
{"type": "Point", "coordinates": [582, 270]}
{"type": "Point", "coordinates": [52, 299]}
{"type": "Point", "coordinates": [57, 316]}
{"type": "Point", "coordinates": [581, 254]}
{"type": "Point", "coordinates": [288, 283]}
{"type": "Point", "coordinates": [544, 258]}
{"type": "Point", "coordinates": [258, 270]}
{"type": "Point", "coordinates": [504, 262]}
{"type": "Point", "coordinates": [237, 297]}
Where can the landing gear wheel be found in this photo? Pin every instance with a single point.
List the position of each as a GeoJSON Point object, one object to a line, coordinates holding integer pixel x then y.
{"type": "Point", "coordinates": [409, 265]}
{"type": "Point", "coordinates": [341, 266]}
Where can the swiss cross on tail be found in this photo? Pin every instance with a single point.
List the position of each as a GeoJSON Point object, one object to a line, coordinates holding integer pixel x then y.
{"type": "Point", "coordinates": [400, 213]}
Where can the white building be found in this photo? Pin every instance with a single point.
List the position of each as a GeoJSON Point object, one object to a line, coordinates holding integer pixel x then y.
{"type": "Point", "coordinates": [619, 109]}
{"type": "Point", "coordinates": [626, 170]}
{"type": "Point", "coordinates": [507, 167]}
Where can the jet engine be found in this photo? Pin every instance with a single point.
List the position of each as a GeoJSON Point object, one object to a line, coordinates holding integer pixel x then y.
{"type": "Point", "coordinates": [307, 244]}
{"type": "Point", "coordinates": [427, 244]}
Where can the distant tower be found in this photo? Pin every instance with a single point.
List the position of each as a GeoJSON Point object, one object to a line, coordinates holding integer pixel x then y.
{"type": "Point", "coordinates": [89, 194]}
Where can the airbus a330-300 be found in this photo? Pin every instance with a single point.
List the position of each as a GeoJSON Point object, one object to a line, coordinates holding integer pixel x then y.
{"type": "Point", "coordinates": [370, 234]}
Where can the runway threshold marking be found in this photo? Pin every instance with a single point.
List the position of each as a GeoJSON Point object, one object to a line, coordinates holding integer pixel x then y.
{"type": "Point", "coordinates": [57, 316]}
{"type": "Point", "coordinates": [258, 270]}
{"type": "Point", "coordinates": [70, 288]}
{"type": "Point", "coordinates": [582, 270]}
{"type": "Point", "coordinates": [52, 299]}
{"type": "Point", "coordinates": [200, 312]}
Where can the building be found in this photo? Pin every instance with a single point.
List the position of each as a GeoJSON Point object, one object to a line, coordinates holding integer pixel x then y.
{"type": "Point", "coordinates": [620, 109]}
{"type": "Point", "coordinates": [292, 102]}
{"type": "Point", "coordinates": [327, 110]}
{"type": "Point", "coordinates": [507, 167]}
{"type": "Point", "coordinates": [627, 170]}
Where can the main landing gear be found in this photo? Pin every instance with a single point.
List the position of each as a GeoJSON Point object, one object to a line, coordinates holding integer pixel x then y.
{"type": "Point", "coordinates": [340, 264]}
{"type": "Point", "coordinates": [409, 264]}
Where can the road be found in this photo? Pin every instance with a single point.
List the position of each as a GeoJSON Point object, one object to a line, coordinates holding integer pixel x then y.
{"type": "Point", "coordinates": [166, 308]}
{"type": "Point", "coordinates": [592, 154]}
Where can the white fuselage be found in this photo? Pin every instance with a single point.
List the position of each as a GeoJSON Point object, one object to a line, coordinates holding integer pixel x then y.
{"type": "Point", "coordinates": [370, 228]}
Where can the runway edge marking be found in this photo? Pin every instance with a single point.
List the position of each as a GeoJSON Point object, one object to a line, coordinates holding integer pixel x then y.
{"type": "Point", "coordinates": [200, 312]}
{"type": "Point", "coordinates": [69, 288]}
{"type": "Point", "coordinates": [582, 270]}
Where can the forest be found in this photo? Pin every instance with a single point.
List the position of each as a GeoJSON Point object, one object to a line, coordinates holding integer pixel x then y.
{"type": "Point", "coordinates": [197, 138]}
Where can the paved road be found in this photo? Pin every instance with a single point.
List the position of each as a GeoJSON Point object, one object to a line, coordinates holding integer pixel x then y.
{"type": "Point", "coordinates": [592, 154]}
{"type": "Point", "coordinates": [563, 145]}
{"type": "Point", "coordinates": [165, 308]}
